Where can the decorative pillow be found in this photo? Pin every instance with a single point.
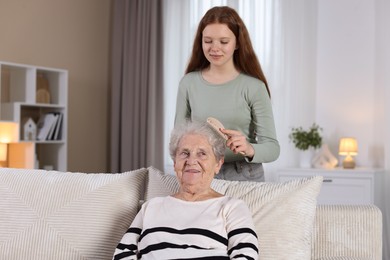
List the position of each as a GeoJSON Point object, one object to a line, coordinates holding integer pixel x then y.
{"type": "Point", "coordinates": [58, 215]}
{"type": "Point", "coordinates": [160, 184]}
{"type": "Point", "coordinates": [283, 213]}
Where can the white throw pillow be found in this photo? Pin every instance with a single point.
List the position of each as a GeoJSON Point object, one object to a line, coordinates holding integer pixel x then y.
{"type": "Point", "coordinates": [283, 213]}
{"type": "Point", "coordinates": [58, 215]}
{"type": "Point", "coordinates": [160, 184]}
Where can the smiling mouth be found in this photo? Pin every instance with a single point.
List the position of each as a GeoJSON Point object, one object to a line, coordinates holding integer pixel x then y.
{"type": "Point", "coordinates": [192, 171]}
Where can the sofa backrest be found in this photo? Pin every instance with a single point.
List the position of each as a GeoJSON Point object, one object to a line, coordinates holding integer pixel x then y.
{"type": "Point", "coordinates": [63, 215]}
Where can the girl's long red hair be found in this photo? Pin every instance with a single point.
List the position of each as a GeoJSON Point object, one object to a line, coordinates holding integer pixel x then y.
{"type": "Point", "coordinates": [245, 59]}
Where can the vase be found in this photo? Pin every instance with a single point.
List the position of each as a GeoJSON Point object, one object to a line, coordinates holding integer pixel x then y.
{"type": "Point", "coordinates": [43, 89]}
{"type": "Point", "coordinates": [305, 158]}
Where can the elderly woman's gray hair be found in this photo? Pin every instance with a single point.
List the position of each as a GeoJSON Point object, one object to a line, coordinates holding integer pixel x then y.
{"type": "Point", "coordinates": [217, 142]}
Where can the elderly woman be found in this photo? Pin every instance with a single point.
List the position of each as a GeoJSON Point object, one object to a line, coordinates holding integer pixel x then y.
{"type": "Point", "coordinates": [197, 222]}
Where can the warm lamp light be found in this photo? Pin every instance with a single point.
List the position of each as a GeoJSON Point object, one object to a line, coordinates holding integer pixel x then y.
{"type": "Point", "coordinates": [3, 152]}
{"type": "Point", "coordinates": [9, 132]}
{"type": "Point", "coordinates": [348, 147]}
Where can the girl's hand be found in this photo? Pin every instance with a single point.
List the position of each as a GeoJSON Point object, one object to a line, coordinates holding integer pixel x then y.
{"type": "Point", "coordinates": [237, 143]}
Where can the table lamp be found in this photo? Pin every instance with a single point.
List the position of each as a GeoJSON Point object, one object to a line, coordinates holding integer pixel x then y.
{"type": "Point", "coordinates": [348, 147]}
{"type": "Point", "coordinates": [8, 134]}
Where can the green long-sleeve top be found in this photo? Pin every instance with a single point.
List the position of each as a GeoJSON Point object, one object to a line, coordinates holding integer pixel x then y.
{"type": "Point", "coordinates": [241, 104]}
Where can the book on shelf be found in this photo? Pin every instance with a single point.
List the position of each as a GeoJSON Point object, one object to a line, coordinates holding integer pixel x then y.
{"type": "Point", "coordinates": [57, 129]}
{"type": "Point", "coordinates": [48, 125]}
{"type": "Point", "coordinates": [44, 125]}
{"type": "Point", "coordinates": [53, 125]}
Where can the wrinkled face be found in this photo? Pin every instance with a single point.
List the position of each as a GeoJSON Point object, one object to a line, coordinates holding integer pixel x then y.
{"type": "Point", "coordinates": [219, 44]}
{"type": "Point", "coordinates": [195, 163]}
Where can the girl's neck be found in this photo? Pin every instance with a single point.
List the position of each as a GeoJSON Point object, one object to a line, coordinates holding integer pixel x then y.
{"type": "Point", "coordinates": [219, 75]}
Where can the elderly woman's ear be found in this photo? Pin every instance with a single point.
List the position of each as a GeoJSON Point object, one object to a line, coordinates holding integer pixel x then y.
{"type": "Point", "coordinates": [218, 168]}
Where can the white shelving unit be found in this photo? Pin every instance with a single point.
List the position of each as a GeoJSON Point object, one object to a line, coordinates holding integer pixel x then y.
{"type": "Point", "coordinates": [358, 186]}
{"type": "Point", "coordinates": [18, 91]}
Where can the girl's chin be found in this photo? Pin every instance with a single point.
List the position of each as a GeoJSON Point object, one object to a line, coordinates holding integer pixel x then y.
{"type": "Point", "coordinates": [215, 59]}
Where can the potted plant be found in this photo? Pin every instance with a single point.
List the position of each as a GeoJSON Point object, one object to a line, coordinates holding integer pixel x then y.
{"type": "Point", "coordinates": [303, 139]}
{"type": "Point", "coordinates": [306, 141]}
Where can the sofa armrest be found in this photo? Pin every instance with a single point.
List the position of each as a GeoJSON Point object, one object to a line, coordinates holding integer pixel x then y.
{"type": "Point", "coordinates": [347, 231]}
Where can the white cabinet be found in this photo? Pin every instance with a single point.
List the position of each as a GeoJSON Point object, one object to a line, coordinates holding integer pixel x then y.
{"type": "Point", "coordinates": [22, 97]}
{"type": "Point", "coordinates": [342, 186]}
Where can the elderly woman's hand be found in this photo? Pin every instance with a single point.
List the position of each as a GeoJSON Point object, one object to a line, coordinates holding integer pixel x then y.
{"type": "Point", "coordinates": [238, 144]}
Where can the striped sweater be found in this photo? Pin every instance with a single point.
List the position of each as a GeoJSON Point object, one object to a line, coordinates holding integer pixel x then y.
{"type": "Point", "coordinates": [170, 228]}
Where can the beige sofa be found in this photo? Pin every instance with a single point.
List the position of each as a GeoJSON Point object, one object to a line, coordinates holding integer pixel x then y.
{"type": "Point", "coordinates": [58, 215]}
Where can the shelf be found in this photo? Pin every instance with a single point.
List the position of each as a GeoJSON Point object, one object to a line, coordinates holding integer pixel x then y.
{"type": "Point", "coordinates": [30, 92]}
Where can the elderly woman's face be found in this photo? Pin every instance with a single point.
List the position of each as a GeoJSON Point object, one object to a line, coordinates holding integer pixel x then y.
{"type": "Point", "coordinates": [195, 162]}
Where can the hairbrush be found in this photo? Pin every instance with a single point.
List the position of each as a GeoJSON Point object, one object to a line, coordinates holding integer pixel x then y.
{"type": "Point", "coordinates": [217, 125]}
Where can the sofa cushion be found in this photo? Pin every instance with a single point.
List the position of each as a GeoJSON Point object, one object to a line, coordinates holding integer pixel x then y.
{"type": "Point", "coordinates": [347, 231]}
{"type": "Point", "coordinates": [58, 215]}
{"type": "Point", "coordinates": [283, 213]}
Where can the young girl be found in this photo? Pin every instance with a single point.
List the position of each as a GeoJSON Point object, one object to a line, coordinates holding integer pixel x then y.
{"type": "Point", "coordinates": [224, 80]}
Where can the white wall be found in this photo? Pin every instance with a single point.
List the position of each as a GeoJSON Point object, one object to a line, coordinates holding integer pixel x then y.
{"type": "Point", "coordinates": [347, 96]}
{"type": "Point", "coordinates": [383, 83]}
{"type": "Point", "coordinates": [383, 69]}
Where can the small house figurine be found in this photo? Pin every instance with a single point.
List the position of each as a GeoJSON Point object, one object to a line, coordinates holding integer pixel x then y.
{"type": "Point", "coordinates": [29, 130]}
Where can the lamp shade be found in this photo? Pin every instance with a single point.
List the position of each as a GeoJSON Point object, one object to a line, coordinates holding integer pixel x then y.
{"type": "Point", "coordinates": [9, 132]}
{"type": "Point", "coordinates": [348, 146]}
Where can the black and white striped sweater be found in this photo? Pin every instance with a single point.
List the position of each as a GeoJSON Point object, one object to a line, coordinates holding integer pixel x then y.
{"type": "Point", "coordinates": [170, 228]}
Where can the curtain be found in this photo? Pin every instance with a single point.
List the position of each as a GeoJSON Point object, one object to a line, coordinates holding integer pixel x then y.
{"type": "Point", "coordinates": [136, 85]}
{"type": "Point", "coordinates": [286, 43]}
{"type": "Point", "coordinates": [284, 38]}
